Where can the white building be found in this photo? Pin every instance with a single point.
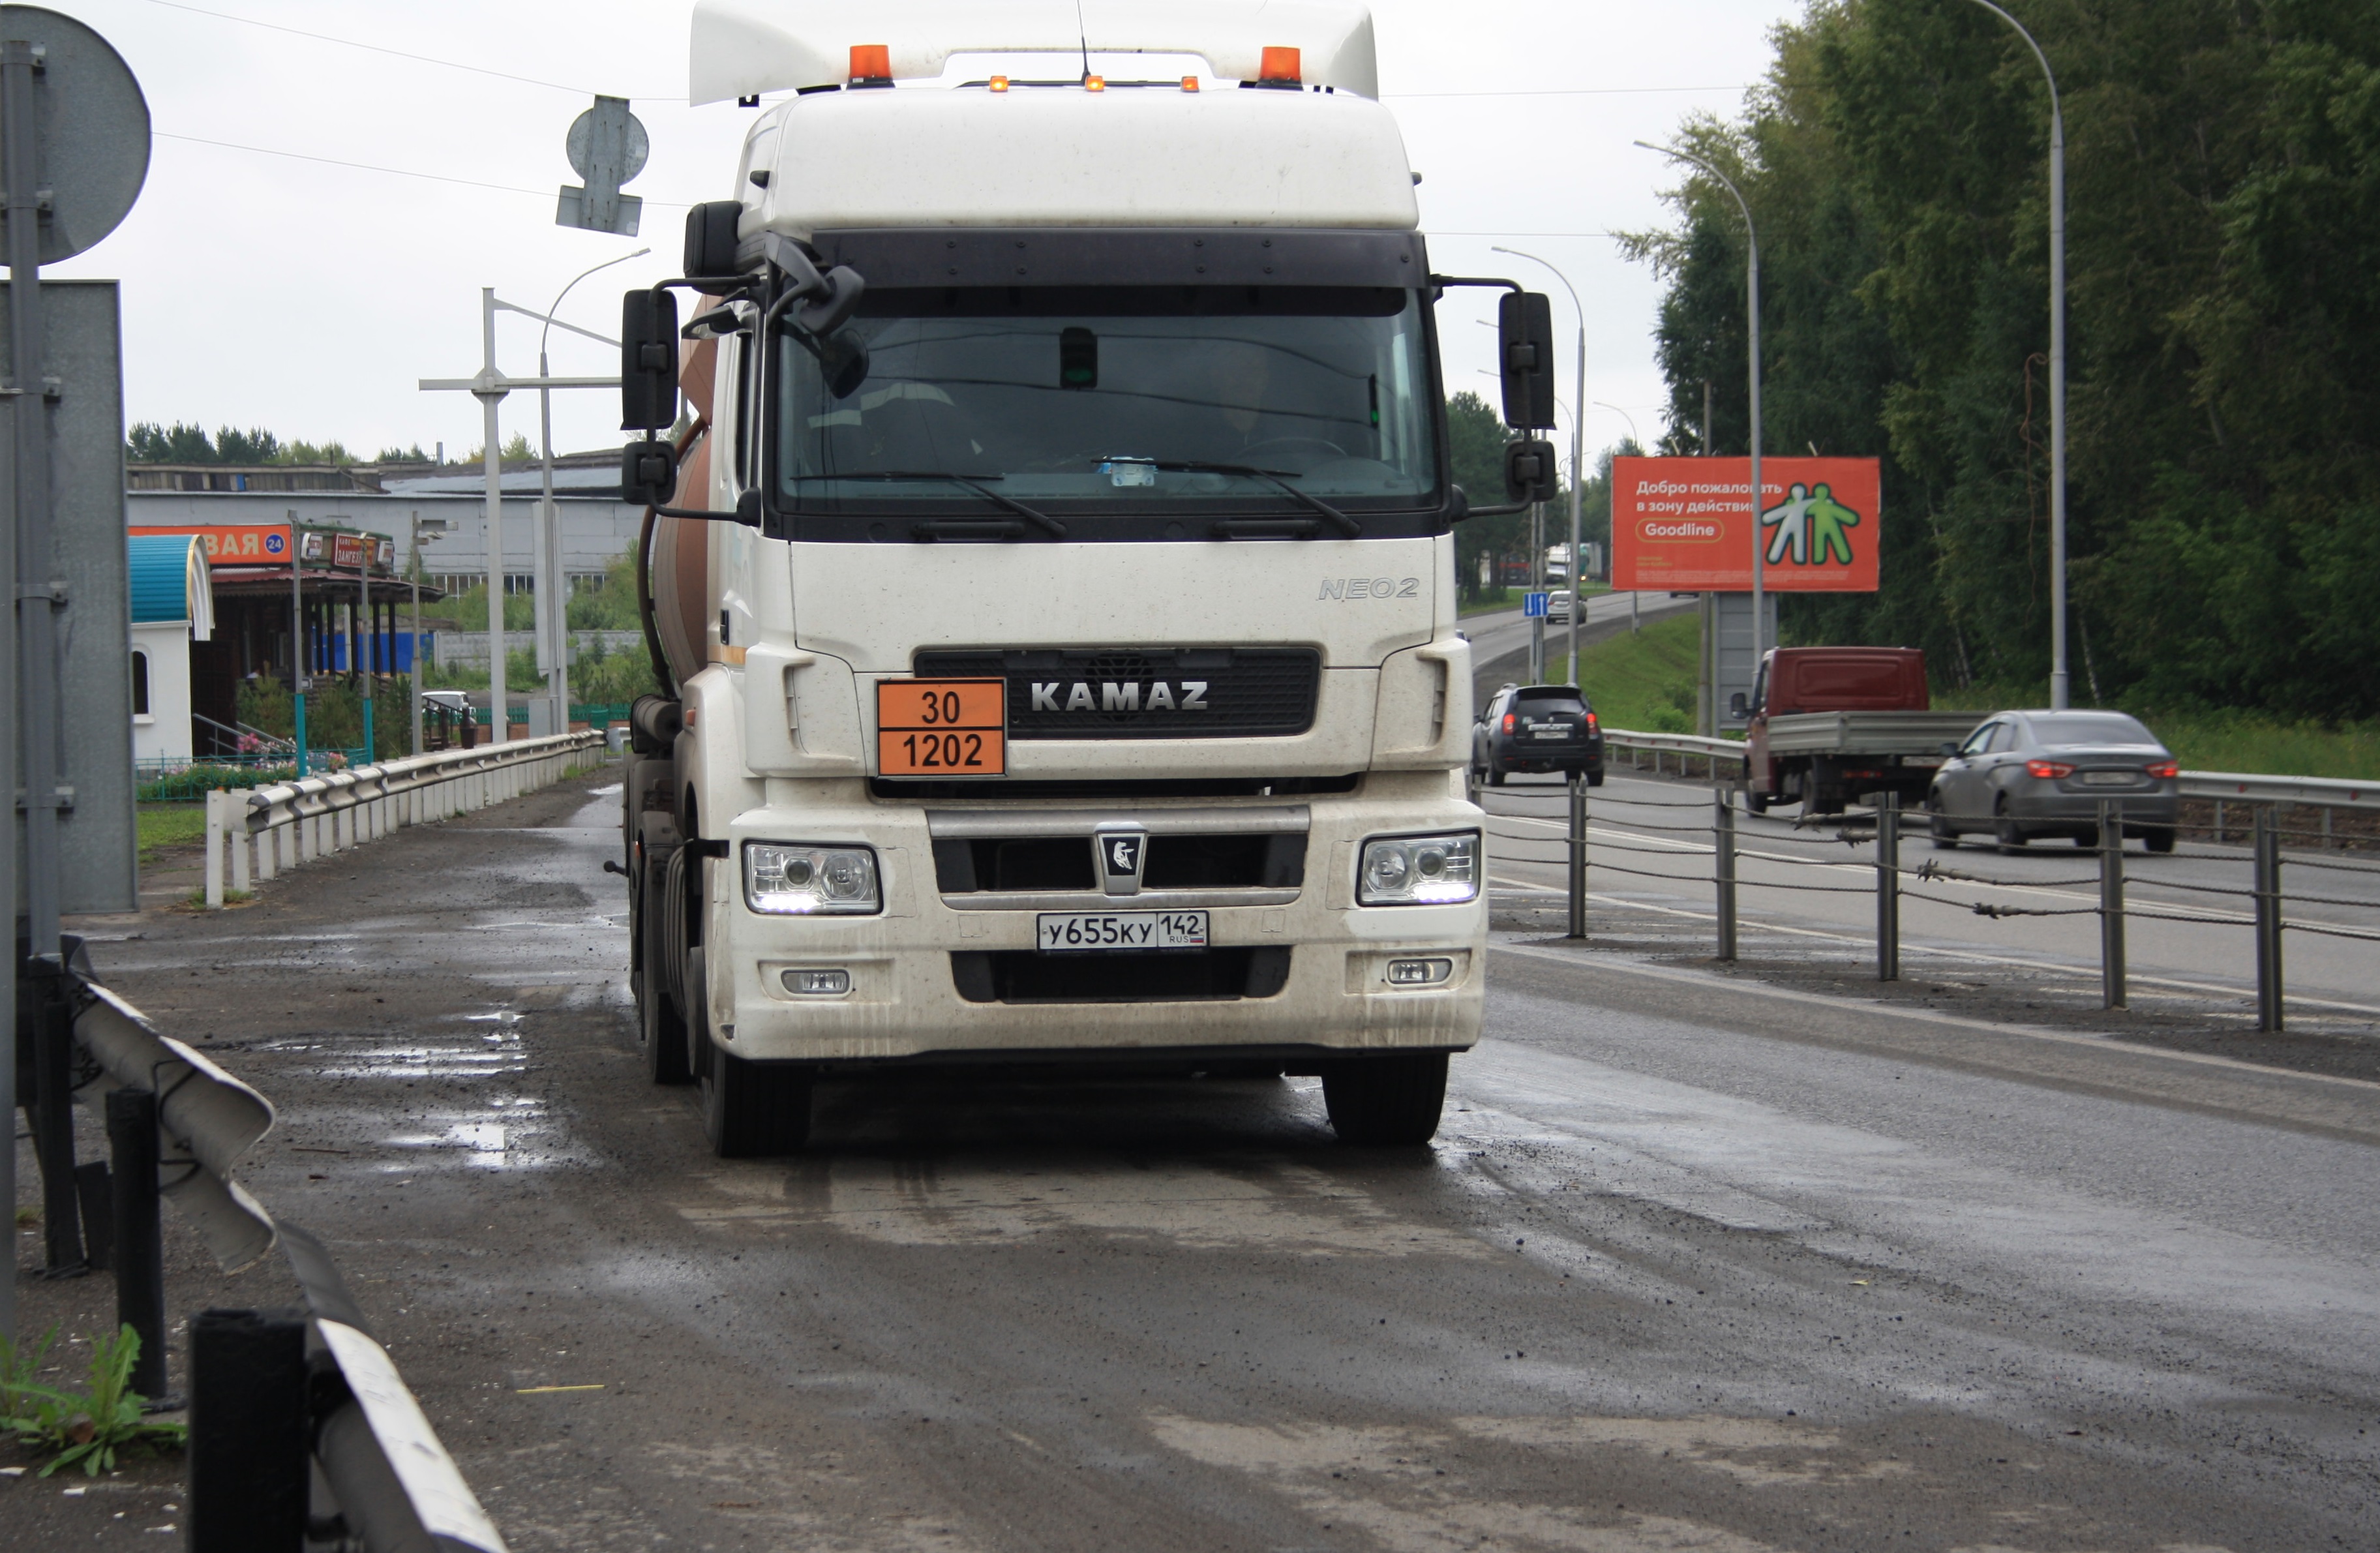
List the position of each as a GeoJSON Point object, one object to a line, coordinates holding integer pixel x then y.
{"type": "Point", "coordinates": [171, 606]}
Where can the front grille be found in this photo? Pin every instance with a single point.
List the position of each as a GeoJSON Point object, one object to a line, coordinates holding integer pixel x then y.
{"type": "Point", "coordinates": [1146, 693]}
{"type": "Point", "coordinates": [969, 865]}
{"type": "Point", "coordinates": [1211, 975]}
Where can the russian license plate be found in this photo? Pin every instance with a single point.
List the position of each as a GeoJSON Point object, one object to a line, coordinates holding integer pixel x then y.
{"type": "Point", "coordinates": [942, 727]}
{"type": "Point", "coordinates": [1072, 932]}
{"type": "Point", "coordinates": [1550, 733]}
{"type": "Point", "coordinates": [2107, 778]}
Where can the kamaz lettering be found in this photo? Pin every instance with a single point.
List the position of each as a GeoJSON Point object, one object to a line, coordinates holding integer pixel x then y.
{"type": "Point", "coordinates": [1119, 695]}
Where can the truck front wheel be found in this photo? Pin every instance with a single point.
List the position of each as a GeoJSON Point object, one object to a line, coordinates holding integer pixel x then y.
{"type": "Point", "coordinates": [1386, 1102]}
{"type": "Point", "coordinates": [751, 1110]}
{"type": "Point", "coordinates": [659, 1026]}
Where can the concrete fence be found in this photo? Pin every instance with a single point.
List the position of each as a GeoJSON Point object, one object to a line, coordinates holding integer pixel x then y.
{"type": "Point", "coordinates": [260, 832]}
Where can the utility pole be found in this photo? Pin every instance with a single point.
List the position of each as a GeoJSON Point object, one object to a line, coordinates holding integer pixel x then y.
{"type": "Point", "coordinates": [363, 610]}
{"type": "Point", "coordinates": [489, 387]}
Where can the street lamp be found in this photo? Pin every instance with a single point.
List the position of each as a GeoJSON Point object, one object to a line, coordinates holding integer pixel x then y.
{"type": "Point", "coordinates": [1752, 293]}
{"type": "Point", "coordinates": [1577, 452]}
{"type": "Point", "coordinates": [555, 637]}
{"type": "Point", "coordinates": [2058, 677]}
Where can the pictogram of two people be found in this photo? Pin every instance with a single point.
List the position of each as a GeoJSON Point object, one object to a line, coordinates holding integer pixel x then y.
{"type": "Point", "coordinates": [1809, 524]}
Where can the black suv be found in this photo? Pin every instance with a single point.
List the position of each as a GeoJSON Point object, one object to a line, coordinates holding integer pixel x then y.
{"type": "Point", "coordinates": [1537, 728]}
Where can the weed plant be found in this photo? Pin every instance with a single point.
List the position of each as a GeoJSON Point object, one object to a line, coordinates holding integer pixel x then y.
{"type": "Point", "coordinates": [88, 1428]}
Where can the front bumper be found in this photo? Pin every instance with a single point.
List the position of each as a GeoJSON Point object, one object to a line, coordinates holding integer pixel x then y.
{"type": "Point", "coordinates": [906, 999]}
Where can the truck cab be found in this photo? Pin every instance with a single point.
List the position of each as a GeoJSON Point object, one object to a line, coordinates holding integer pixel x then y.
{"type": "Point", "coordinates": [1053, 588]}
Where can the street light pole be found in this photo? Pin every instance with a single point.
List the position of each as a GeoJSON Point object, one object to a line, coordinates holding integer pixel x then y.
{"type": "Point", "coordinates": [1577, 453]}
{"type": "Point", "coordinates": [1752, 293]}
{"type": "Point", "coordinates": [554, 614]}
{"type": "Point", "coordinates": [437, 527]}
{"type": "Point", "coordinates": [2058, 674]}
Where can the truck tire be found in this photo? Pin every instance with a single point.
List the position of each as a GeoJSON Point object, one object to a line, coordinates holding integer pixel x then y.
{"type": "Point", "coordinates": [660, 1027]}
{"type": "Point", "coordinates": [1386, 1102]}
{"type": "Point", "coordinates": [751, 1110]}
{"type": "Point", "coordinates": [1755, 802]}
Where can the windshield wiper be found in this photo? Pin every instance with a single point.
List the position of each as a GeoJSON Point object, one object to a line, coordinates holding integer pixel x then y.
{"type": "Point", "coordinates": [1345, 524]}
{"type": "Point", "coordinates": [1042, 520]}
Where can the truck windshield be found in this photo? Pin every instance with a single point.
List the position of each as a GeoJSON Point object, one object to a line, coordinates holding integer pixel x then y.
{"type": "Point", "coordinates": [1084, 401]}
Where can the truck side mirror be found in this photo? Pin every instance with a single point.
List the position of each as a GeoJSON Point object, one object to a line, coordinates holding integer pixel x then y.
{"type": "Point", "coordinates": [647, 360]}
{"type": "Point", "coordinates": [649, 473]}
{"type": "Point", "coordinates": [1529, 471]}
{"type": "Point", "coordinates": [1736, 707]}
{"type": "Point", "coordinates": [710, 239]}
{"type": "Point", "coordinates": [1524, 337]}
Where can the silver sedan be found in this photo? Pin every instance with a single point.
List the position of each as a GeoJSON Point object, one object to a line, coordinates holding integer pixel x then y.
{"type": "Point", "coordinates": [2024, 774]}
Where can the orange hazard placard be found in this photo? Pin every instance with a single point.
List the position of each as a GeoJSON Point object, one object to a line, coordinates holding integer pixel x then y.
{"type": "Point", "coordinates": [942, 727]}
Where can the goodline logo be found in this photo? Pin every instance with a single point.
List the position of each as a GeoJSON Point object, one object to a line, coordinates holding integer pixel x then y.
{"type": "Point", "coordinates": [1682, 531]}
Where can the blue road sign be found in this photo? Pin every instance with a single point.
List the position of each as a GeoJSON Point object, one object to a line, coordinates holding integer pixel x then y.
{"type": "Point", "coordinates": [1533, 605]}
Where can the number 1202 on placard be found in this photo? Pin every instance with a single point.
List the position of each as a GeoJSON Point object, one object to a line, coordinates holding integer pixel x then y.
{"type": "Point", "coordinates": [942, 727]}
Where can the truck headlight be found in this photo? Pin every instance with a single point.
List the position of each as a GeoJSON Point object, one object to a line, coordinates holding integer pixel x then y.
{"type": "Point", "coordinates": [786, 878]}
{"type": "Point", "coordinates": [1419, 871]}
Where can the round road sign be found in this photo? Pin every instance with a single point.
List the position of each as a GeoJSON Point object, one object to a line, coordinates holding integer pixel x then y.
{"type": "Point", "coordinates": [582, 132]}
{"type": "Point", "coordinates": [92, 128]}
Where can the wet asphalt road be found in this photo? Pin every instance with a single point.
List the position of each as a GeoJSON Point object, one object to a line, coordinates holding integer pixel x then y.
{"type": "Point", "coordinates": [1693, 1265]}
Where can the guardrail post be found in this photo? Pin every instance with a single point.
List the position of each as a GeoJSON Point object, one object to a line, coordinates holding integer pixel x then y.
{"type": "Point", "coordinates": [1577, 855]}
{"type": "Point", "coordinates": [139, 1255]}
{"type": "Point", "coordinates": [2112, 991]}
{"type": "Point", "coordinates": [268, 849]}
{"type": "Point", "coordinates": [2218, 822]}
{"type": "Point", "coordinates": [1723, 872]}
{"type": "Point", "coordinates": [2269, 919]}
{"type": "Point", "coordinates": [1888, 888]}
{"type": "Point", "coordinates": [41, 1003]}
{"type": "Point", "coordinates": [249, 1475]}
{"type": "Point", "coordinates": [215, 867]}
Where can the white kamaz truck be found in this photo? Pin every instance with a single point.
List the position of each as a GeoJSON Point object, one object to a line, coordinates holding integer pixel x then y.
{"type": "Point", "coordinates": [1050, 571]}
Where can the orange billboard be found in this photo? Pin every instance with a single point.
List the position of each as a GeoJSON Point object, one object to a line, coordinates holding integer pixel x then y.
{"type": "Point", "coordinates": [1685, 524]}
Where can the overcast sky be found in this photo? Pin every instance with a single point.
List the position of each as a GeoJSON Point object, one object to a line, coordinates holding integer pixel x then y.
{"type": "Point", "coordinates": [307, 297]}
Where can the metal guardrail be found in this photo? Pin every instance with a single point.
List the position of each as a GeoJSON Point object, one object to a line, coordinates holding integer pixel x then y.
{"type": "Point", "coordinates": [293, 822]}
{"type": "Point", "coordinates": [2307, 792]}
{"type": "Point", "coordinates": [2238, 787]}
{"type": "Point", "coordinates": [273, 1393]}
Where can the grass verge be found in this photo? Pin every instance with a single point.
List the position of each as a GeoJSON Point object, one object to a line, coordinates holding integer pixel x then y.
{"type": "Point", "coordinates": [1642, 680]}
{"type": "Point", "coordinates": [164, 825]}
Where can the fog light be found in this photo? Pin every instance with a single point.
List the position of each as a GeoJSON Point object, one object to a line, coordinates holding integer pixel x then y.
{"type": "Point", "coordinates": [823, 984]}
{"type": "Point", "coordinates": [1419, 973]}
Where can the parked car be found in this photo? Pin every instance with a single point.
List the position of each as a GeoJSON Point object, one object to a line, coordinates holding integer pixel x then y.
{"type": "Point", "coordinates": [2023, 775]}
{"type": "Point", "coordinates": [1537, 728]}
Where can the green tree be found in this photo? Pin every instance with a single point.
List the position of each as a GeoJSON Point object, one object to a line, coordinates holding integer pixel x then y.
{"type": "Point", "coordinates": [2224, 263]}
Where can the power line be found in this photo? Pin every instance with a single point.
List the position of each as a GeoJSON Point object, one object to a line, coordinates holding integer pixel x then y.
{"type": "Point", "coordinates": [399, 53]}
{"type": "Point", "coordinates": [393, 171]}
